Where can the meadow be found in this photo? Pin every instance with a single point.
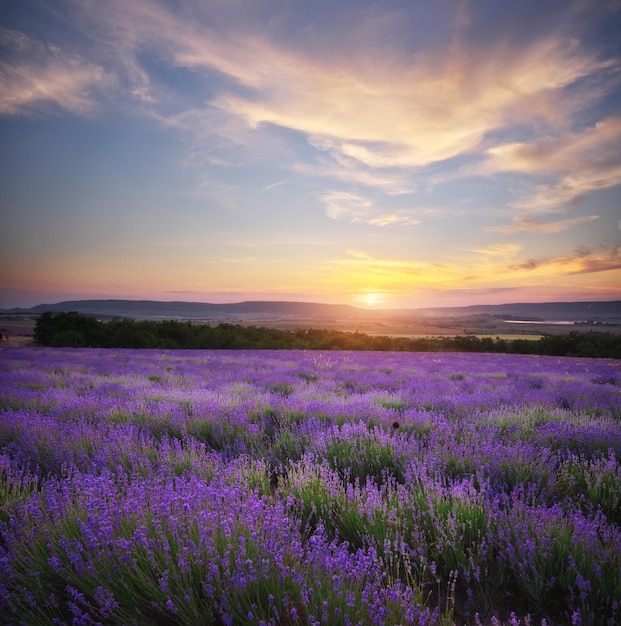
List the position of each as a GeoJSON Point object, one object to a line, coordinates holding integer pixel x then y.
{"type": "Point", "coordinates": [307, 487]}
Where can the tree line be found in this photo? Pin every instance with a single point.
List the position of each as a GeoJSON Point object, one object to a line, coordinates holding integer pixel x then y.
{"type": "Point", "coordinates": [70, 329]}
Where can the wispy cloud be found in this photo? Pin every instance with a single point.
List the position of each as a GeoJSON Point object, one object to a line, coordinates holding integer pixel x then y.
{"type": "Point", "coordinates": [569, 191]}
{"type": "Point", "coordinates": [375, 111]}
{"type": "Point", "coordinates": [391, 181]}
{"type": "Point", "coordinates": [273, 185]}
{"type": "Point", "coordinates": [595, 148]}
{"type": "Point", "coordinates": [395, 276]}
{"type": "Point", "coordinates": [402, 217]}
{"type": "Point", "coordinates": [416, 111]}
{"type": "Point", "coordinates": [498, 251]}
{"type": "Point", "coordinates": [38, 76]}
{"type": "Point", "coordinates": [391, 275]}
{"type": "Point", "coordinates": [374, 106]}
{"type": "Point", "coordinates": [487, 270]}
{"type": "Point", "coordinates": [581, 261]}
{"type": "Point", "coordinates": [341, 205]}
{"type": "Point", "coordinates": [530, 224]}
{"type": "Point", "coordinates": [581, 162]}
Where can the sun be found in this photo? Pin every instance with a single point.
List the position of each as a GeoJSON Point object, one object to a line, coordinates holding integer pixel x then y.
{"type": "Point", "coordinates": [371, 299]}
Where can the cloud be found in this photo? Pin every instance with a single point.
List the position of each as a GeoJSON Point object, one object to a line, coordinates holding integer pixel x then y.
{"type": "Point", "coordinates": [341, 205]}
{"type": "Point", "coordinates": [496, 268]}
{"type": "Point", "coordinates": [37, 76]}
{"type": "Point", "coordinates": [376, 109]}
{"type": "Point", "coordinates": [582, 162]}
{"type": "Point", "coordinates": [596, 147]}
{"type": "Point", "coordinates": [391, 181]}
{"type": "Point", "coordinates": [273, 185]}
{"type": "Point", "coordinates": [399, 277]}
{"type": "Point", "coordinates": [413, 112]}
{"type": "Point", "coordinates": [528, 223]}
{"type": "Point", "coordinates": [581, 261]}
{"type": "Point", "coordinates": [357, 98]}
{"type": "Point", "coordinates": [499, 250]}
{"type": "Point", "coordinates": [360, 269]}
{"type": "Point", "coordinates": [401, 217]}
{"type": "Point", "coordinates": [569, 191]}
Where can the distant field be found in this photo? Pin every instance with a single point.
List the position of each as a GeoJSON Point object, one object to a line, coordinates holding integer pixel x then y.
{"type": "Point", "coordinates": [368, 327]}
{"type": "Point", "coordinates": [507, 337]}
{"type": "Point", "coordinates": [19, 332]}
{"type": "Point", "coordinates": [414, 330]}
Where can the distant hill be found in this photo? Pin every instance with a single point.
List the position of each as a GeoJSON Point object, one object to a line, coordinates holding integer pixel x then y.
{"type": "Point", "coordinates": [550, 311]}
{"type": "Point", "coordinates": [269, 310]}
{"type": "Point", "coordinates": [152, 309]}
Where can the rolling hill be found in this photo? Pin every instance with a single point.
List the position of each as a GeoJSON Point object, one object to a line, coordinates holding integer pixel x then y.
{"type": "Point", "coordinates": [275, 310]}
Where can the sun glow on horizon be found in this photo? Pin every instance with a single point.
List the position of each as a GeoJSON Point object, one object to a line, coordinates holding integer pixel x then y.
{"type": "Point", "coordinates": [371, 299]}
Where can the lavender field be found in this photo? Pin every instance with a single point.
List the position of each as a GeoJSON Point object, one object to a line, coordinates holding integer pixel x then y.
{"type": "Point", "coordinates": [258, 487]}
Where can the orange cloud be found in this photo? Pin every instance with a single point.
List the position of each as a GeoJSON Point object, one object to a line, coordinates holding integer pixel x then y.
{"type": "Point", "coordinates": [531, 224]}
{"type": "Point", "coordinates": [363, 272]}
{"type": "Point", "coordinates": [582, 261]}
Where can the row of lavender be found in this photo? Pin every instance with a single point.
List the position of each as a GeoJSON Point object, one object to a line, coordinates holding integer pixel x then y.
{"type": "Point", "coordinates": [143, 487]}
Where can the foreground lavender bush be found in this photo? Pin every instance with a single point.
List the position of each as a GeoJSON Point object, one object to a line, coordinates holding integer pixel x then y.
{"type": "Point", "coordinates": [144, 487]}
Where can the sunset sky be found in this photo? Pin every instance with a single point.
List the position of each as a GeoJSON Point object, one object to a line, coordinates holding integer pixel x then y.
{"type": "Point", "coordinates": [378, 153]}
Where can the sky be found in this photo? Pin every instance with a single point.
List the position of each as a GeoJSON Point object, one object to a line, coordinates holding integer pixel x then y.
{"type": "Point", "coordinates": [392, 154]}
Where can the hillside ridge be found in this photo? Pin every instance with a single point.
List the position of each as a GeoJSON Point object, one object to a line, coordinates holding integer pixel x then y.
{"type": "Point", "coordinates": [571, 311]}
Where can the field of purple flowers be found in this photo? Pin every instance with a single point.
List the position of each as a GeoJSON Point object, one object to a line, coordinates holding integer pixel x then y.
{"type": "Point", "coordinates": [246, 487]}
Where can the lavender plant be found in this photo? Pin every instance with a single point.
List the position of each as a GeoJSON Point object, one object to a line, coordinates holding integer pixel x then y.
{"type": "Point", "coordinates": [213, 487]}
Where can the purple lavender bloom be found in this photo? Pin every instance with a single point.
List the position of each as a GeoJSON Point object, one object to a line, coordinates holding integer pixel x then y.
{"type": "Point", "coordinates": [271, 486]}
